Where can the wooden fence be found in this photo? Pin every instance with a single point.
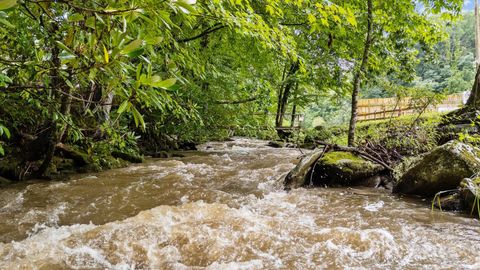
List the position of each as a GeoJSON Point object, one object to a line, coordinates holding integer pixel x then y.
{"type": "Point", "coordinates": [385, 108]}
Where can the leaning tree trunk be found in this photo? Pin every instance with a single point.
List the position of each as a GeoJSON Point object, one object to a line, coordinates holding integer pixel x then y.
{"type": "Point", "coordinates": [474, 95]}
{"type": "Point", "coordinates": [477, 35]}
{"type": "Point", "coordinates": [285, 92]}
{"type": "Point", "coordinates": [473, 100]}
{"type": "Point", "coordinates": [358, 76]}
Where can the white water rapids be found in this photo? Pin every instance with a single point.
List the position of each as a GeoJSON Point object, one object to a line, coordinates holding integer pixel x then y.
{"type": "Point", "coordinates": [224, 208]}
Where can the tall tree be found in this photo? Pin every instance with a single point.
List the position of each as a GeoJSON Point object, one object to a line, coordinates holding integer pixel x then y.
{"type": "Point", "coordinates": [385, 43]}
{"type": "Point", "coordinates": [477, 35]}
{"type": "Point", "coordinates": [360, 73]}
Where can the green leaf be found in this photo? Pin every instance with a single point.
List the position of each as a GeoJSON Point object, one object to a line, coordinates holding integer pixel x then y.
{"type": "Point", "coordinates": [64, 47]}
{"type": "Point", "coordinates": [7, 4]}
{"type": "Point", "coordinates": [90, 22]}
{"type": "Point", "coordinates": [139, 71]}
{"type": "Point", "coordinates": [2, 152]}
{"type": "Point", "coordinates": [165, 84]}
{"type": "Point", "coordinates": [185, 6]}
{"type": "Point", "coordinates": [4, 78]}
{"type": "Point", "coordinates": [7, 23]}
{"type": "Point", "coordinates": [66, 56]}
{"type": "Point", "coordinates": [135, 53]}
{"type": "Point", "coordinates": [132, 47]}
{"type": "Point", "coordinates": [7, 132]}
{"type": "Point", "coordinates": [123, 107]}
{"type": "Point", "coordinates": [76, 17]}
{"type": "Point", "coordinates": [106, 56]}
{"type": "Point", "coordinates": [138, 118]}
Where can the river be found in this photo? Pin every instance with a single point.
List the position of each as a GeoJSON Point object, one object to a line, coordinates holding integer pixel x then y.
{"type": "Point", "coordinates": [224, 208]}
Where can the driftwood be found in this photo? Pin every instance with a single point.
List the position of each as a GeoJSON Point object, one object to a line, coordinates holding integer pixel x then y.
{"type": "Point", "coordinates": [296, 178]}
{"type": "Point", "coordinates": [357, 151]}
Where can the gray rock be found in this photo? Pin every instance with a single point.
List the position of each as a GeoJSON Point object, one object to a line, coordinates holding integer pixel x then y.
{"type": "Point", "coordinates": [340, 169]}
{"type": "Point", "coordinates": [334, 169]}
{"type": "Point", "coordinates": [441, 169]}
{"type": "Point", "coordinates": [469, 190]}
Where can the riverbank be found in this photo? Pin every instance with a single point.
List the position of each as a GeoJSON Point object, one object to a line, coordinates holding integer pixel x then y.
{"type": "Point", "coordinates": [413, 156]}
{"type": "Point", "coordinates": [19, 164]}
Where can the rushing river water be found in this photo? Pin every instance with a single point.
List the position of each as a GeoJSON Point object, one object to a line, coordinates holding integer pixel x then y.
{"type": "Point", "coordinates": [224, 208]}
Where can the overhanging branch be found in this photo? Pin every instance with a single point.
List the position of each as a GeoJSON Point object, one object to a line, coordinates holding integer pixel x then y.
{"type": "Point", "coordinates": [204, 33]}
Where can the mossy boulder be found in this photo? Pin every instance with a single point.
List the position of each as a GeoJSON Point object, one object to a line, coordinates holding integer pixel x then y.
{"type": "Point", "coordinates": [344, 169]}
{"type": "Point", "coordinates": [79, 157]}
{"type": "Point", "coordinates": [332, 169]}
{"type": "Point", "coordinates": [11, 167]}
{"type": "Point", "coordinates": [441, 169]}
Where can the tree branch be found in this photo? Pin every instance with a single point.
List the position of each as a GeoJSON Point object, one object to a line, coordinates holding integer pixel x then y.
{"type": "Point", "coordinates": [204, 33]}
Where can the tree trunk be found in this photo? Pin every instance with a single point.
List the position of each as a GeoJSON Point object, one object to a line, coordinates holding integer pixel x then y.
{"type": "Point", "coordinates": [359, 74]}
{"type": "Point", "coordinates": [473, 99]}
{"type": "Point", "coordinates": [56, 134]}
{"type": "Point", "coordinates": [474, 95]}
{"type": "Point", "coordinates": [477, 35]}
{"type": "Point", "coordinates": [285, 92]}
{"type": "Point", "coordinates": [294, 116]}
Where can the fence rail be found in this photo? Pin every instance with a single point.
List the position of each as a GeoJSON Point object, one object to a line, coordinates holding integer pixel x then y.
{"type": "Point", "coordinates": [385, 108]}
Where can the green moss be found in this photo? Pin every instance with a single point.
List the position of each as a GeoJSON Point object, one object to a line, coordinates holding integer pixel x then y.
{"type": "Point", "coordinates": [405, 135]}
{"type": "Point", "coordinates": [442, 169]}
{"type": "Point", "coordinates": [334, 158]}
{"type": "Point", "coordinates": [348, 162]}
{"type": "Point", "coordinates": [343, 169]}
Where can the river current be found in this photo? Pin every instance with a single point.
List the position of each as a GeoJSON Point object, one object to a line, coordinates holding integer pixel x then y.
{"type": "Point", "coordinates": [224, 207]}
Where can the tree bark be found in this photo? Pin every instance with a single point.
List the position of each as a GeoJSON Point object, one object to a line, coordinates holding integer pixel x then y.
{"type": "Point", "coordinates": [477, 35]}
{"type": "Point", "coordinates": [56, 134]}
{"type": "Point", "coordinates": [473, 99]}
{"type": "Point", "coordinates": [285, 92]}
{"type": "Point", "coordinates": [359, 73]}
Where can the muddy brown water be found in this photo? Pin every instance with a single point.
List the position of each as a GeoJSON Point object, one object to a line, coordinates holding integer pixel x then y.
{"type": "Point", "coordinates": [224, 208]}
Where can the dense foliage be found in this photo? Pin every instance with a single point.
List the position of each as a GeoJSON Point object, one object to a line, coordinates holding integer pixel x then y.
{"type": "Point", "coordinates": [115, 75]}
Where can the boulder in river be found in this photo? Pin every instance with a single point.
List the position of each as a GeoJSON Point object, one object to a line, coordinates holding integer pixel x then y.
{"type": "Point", "coordinates": [334, 169]}
{"type": "Point", "coordinates": [441, 169]}
{"type": "Point", "coordinates": [276, 144]}
{"type": "Point", "coordinates": [345, 169]}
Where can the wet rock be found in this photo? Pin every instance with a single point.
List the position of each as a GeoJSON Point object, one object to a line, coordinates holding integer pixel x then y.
{"type": "Point", "coordinates": [79, 157]}
{"type": "Point", "coordinates": [161, 154]}
{"type": "Point", "coordinates": [276, 144]}
{"type": "Point", "coordinates": [296, 178]}
{"type": "Point", "coordinates": [11, 167]}
{"type": "Point", "coordinates": [336, 169]}
{"type": "Point", "coordinates": [469, 189]}
{"type": "Point", "coordinates": [4, 181]}
{"type": "Point", "coordinates": [188, 146]}
{"type": "Point", "coordinates": [178, 155]}
{"type": "Point", "coordinates": [291, 145]}
{"type": "Point", "coordinates": [441, 169]}
{"type": "Point", "coordinates": [452, 202]}
{"type": "Point", "coordinates": [130, 157]}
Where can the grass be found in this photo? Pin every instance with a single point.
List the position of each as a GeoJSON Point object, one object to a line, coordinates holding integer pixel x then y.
{"type": "Point", "coordinates": [408, 135]}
